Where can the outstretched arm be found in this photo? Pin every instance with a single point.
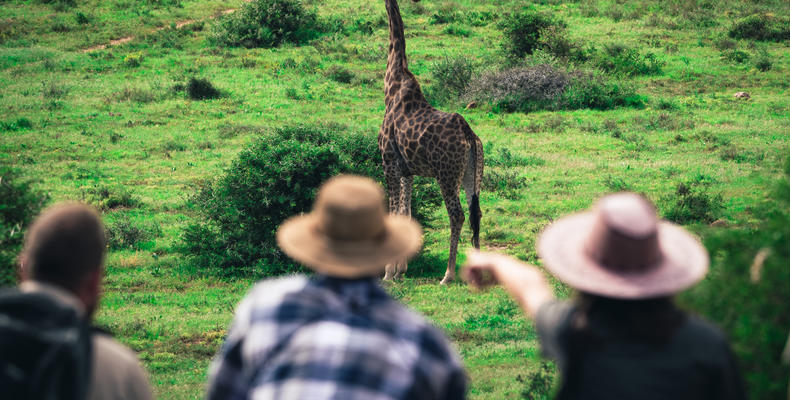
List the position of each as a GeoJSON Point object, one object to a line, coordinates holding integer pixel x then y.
{"type": "Point", "coordinates": [523, 282]}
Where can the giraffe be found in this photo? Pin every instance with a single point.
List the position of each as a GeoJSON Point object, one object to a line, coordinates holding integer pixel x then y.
{"type": "Point", "coordinates": [417, 139]}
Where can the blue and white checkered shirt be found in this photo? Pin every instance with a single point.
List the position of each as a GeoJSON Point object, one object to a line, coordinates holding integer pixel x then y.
{"type": "Point", "coordinates": [329, 338]}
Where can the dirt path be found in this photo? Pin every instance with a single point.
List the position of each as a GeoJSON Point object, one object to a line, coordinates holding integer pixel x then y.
{"type": "Point", "coordinates": [179, 25]}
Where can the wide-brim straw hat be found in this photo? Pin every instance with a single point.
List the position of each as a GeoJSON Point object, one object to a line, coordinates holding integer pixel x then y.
{"type": "Point", "coordinates": [621, 249]}
{"type": "Point", "coordinates": [348, 233]}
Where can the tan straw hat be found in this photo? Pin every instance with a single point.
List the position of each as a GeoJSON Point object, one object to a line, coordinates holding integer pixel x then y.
{"type": "Point", "coordinates": [349, 234]}
{"type": "Point", "coordinates": [621, 250]}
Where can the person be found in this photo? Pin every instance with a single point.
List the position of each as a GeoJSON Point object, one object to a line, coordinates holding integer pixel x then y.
{"type": "Point", "coordinates": [622, 337]}
{"type": "Point", "coordinates": [61, 271]}
{"type": "Point", "coordinates": [337, 334]}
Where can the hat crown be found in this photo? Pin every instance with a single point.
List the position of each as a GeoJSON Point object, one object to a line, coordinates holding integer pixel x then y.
{"type": "Point", "coordinates": [624, 235]}
{"type": "Point", "coordinates": [350, 208]}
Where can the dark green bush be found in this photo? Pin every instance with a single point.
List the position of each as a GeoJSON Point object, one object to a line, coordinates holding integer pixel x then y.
{"type": "Point", "coordinates": [749, 298]}
{"type": "Point", "coordinates": [266, 23]}
{"type": "Point", "coordinates": [109, 198]}
{"type": "Point", "coordinates": [19, 123]}
{"type": "Point", "coordinates": [761, 27]}
{"type": "Point", "coordinates": [538, 385]}
{"type": "Point", "coordinates": [339, 74]}
{"type": "Point", "coordinates": [273, 179]}
{"type": "Point", "coordinates": [450, 77]}
{"type": "Point", "coordinates": [736, 56]}
{"type": "Point", "coordinates": [123, 233]}
{"type": "Point", "coordinates": [523, 31]}
{"type": "Point", "coordinates": [201, 89]}
{"type": "Point", "coordinates": [591, 90]}
{"type": "Point", "coordinates": [620, 59]}
{"type": "Point", "coordinates": [692, 203]}
{"type": "Point", "coordinates": [19, 204]}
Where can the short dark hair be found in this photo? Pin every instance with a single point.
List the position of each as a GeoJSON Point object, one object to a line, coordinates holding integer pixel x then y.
{"type": "Point", "coordinates": [64, 244]}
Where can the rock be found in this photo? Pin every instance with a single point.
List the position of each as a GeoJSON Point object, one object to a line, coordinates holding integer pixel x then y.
{"type": "Point", "coordinates": [719, 223]}
{"type": "Point", "coordinates": [742, 95]}
{"type": "Point", "coordinates": [471, 105]}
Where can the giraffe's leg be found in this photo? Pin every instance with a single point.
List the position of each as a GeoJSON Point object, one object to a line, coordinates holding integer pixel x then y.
{"type": "Point", "coordinates": [449, 190]}
{"type": "Point", "coordinates": [406, 184]}
{"type": "Point", "coordinates": [393, 178]}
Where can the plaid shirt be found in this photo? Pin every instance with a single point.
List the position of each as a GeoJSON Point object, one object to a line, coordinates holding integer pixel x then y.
{"type": "Point", "coordinates": [329, 338]}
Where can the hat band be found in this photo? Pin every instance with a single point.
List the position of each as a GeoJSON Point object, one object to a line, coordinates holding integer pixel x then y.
{"type": "Point", "coordinates": [623, 253]}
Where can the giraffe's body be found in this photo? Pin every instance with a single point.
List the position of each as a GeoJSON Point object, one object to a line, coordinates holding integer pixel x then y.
{"type": "Point", "coordinates": [417, 139]}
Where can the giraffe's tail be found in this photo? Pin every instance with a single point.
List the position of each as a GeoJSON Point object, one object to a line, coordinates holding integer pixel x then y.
{"type": "Point", "coordinates": [472, 180]}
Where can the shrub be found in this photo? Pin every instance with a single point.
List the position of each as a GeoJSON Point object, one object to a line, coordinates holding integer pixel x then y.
{"type": "Point", "coordinates": [521, 89]}
{"type": "Point", "coordinates": [736, 56]}
{"type": "Point", "coordinates": [538, 385]}
{"type": "Point", "coordinates": [621, 59]}
{"type": "Point", "coordinates": [339, 74]}
{"type": "Point", "coordinates": [504, 158]}
{"type": "Point", "coordinates": [123, 233]}
{"type": "Point", "coordinates": [133, 59]}
{"type": "Point", "coordinates": [523, 30]}
{"type": "Point", "coordinates": [761, 27]}
{"type": "Point", "coordinates": [456, 30]}
{"type": "Point", "coordinates": [107, 198]}
{"type": "Point", "coordinates": [691, 203]}
{"type": "Point", "coordinates": [11, 126]}
{"type": "Point", "coordinates": [450, 77]}
{"type": "Point", "coordinates": [507, 183]}
{"type": "Point", "coordinates": [591, 90]}
{"type": "Point", "coordinates": [763, 61]}
{"type": "Point", "coordinates": [81, 18]}
{"type": "Point", "coordinates": [744, 294]}
{"type": "Point", "coordinates": [201, 89]}
{"type": "Point", "coordinates": [266, 23]}
{"type": "Point", "coordinates": [19, 204]}
{"type": "Point", "coordinates": [53, 90]}
{"type": "Point", "coordinates": [274, 178]}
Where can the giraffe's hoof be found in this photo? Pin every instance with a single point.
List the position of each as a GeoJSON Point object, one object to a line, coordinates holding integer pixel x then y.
{"type": "Point", "coordinates": [447, 280]}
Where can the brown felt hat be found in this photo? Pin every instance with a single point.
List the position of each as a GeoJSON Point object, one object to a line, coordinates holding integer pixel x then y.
{"type": "Point", "coordinates": [621, 249]}
{"type": "Point", "coordinates": [349, 234]}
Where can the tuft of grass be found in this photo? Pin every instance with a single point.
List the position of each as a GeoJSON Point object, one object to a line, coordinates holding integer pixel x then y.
{"type": "Point", "coordinates": [201, 89]}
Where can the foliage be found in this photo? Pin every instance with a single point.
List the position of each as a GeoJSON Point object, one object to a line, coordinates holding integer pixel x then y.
{"type": "Point", "coordinates": [109, 198]}
{"type": "Point", "coordinates": [18, 124]}
{"type": "Point", "coordinates": [450, 77]}
{"type": "Point", "coordinates": [523, 30]}
{"type": "Point", "coordinates": [133, 59]}
{"type": "Point", "coordinates": [123, 233]}
{"type": "Point", "coordinates": [201, 89]}
{"type": "Point", "coordinates": [621, 59]}
{"type": "Point", "coordinates": [273, 179]}
{"type": "Point", "coordinates": [736, 56]}
{"type": "Point", "coordinates": [692, 203]}
{"type": "Point", "coordinates": [19, 204]}
{"type": "Point", "coordinates": [538, 385]}
{"type": "Point", "coordinates": [266, 23]}
{"type": "Point", "coordinates": [746, 293]}
{"type": "Point", "coordinates": [543, 87]}
{"type": "Point", "coordinates": [339, 74]}
{"type": "Point", "coordinates": [761, 27]}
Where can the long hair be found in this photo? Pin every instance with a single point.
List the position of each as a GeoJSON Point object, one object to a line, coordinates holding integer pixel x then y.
{"type": "Point", "coordinates": [597, 319]}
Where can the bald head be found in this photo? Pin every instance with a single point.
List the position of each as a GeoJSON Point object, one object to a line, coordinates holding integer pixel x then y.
{"type": "Point", "coordinates": [65, 245]}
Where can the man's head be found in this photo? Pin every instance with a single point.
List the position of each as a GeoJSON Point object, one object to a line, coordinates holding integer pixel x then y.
{"type": "Point", "coordinates": [65, 247]}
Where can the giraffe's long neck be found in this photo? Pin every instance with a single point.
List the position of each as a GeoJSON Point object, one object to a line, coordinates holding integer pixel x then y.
{"type": "Point", "coordinates": [396, 60]}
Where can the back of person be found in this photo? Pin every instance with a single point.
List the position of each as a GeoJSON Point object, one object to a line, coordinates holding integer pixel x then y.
{"type": "Point", "coordinates": [693, 362]}
{"type": "Point", "coordinates": [45, 347]}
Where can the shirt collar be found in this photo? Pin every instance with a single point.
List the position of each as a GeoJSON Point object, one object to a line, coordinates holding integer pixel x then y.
{"type": "Point", "coordinates": [60, 294]}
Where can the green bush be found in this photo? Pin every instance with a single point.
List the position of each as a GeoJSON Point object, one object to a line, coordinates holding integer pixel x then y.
{"type": "Point", "coordinates": [692, 203]}
{"type": "Point", "coordinates": [450, 77]}
{"type": "Point", "coordinates": [620, 59]}
{"type": "Point", "coordinates": [736, 56]}
{"type": "Point", "coordinates": [339, 74]}
{"type": "Point", "coordinates": [18, 124]}
{"type": "Point", "coordinates": [266, 23]}
{"type": "Point", "coordinates": [123, 233]}
{"type": "Point", "coordinates": [761, 27]}
{"type": "Point", "coordinates": [19, 204]}
{"type": "Point", "coordinates": [591, 90]}
{"type": "Point", "coordinates": [273, 179]}
{"type": "Point", "coordinates": [201, 89]}
{"type": "Point", "coordinates": [107, 198]}
{"type": "Point", "coordinates": [523, 30]}
{"type": "Point", "coordinates": [748, 297]}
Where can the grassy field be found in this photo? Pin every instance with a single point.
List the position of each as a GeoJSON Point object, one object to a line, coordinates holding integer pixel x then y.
{"type": "Point", "coordinates": [113, 119]}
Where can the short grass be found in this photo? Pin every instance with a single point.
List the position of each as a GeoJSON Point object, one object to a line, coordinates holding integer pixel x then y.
{"type": "Point", "coordinates": [114, 117]}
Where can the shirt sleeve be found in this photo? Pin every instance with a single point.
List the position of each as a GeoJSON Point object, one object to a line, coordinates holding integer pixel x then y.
{"type": "Point", "coordinates": [551, 323]}
{"type": "Point", "coordinates": [729, 385]}
{"type": "Point", "coordinates": [227, 379]}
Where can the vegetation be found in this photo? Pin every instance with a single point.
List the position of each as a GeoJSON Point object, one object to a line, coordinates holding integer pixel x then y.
{"type": "Point", "coordinates": [266, 23]}
{"type": "Point", "coordinates": [77, 121]}
{"type": "Point", "coordinates": [19, 204]}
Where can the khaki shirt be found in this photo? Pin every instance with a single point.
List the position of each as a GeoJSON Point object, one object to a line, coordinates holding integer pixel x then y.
{"type": "Point", "coordinates": [117, 374]}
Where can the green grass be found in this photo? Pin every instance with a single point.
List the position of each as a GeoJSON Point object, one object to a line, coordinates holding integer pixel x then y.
{"type": "Point", "coordinates": [98, 119]}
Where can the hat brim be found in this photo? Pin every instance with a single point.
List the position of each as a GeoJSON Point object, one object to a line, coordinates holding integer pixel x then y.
{"type": "Point", "coordinates": [300, 238]}
{"type": "Point", "coordinates": [684, 261]}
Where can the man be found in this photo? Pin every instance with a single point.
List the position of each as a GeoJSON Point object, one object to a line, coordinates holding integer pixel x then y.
{"type": "Point", "coordinates": [337, 335]}
{"type": "Point", "coordinates": [62, 262]}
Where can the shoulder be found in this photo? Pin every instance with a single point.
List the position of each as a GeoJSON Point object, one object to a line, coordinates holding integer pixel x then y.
{"type": "Point", "coordinates": [117, 373]}
{"type": "Point", "coordinates": [272, 292]}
